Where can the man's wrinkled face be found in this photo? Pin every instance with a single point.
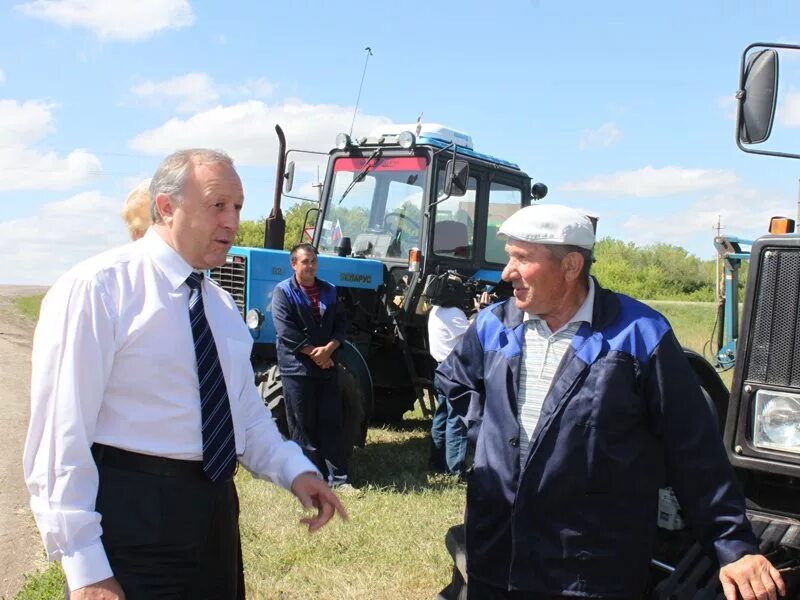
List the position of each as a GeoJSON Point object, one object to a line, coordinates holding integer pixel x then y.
{"type": "Point", "coordinates": [304, 266]}
{"type": "Point", "coordinates": [205, 220]}
{"type": "Point", "coordinates": [538, 279]}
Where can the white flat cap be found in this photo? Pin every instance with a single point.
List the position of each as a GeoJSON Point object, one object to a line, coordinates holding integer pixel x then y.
{"type": "Point", "coordinates": [549, 224]}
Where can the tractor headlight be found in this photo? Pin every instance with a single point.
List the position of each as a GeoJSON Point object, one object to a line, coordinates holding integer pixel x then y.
{"type": "Point", "coordinates": [343, 141]}
{"type": "Point", "coordinates": [406, 139]}
{"type": "Point", "coordinates": [776, 423]}
{"type": "Point", "coordinates": [254, 318]}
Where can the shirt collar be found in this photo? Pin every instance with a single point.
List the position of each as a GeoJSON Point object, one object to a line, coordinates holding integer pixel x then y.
{"type": "Point", "coordinates": [175, 269]}
{"type": "Point", "coordinates": [583, 314]}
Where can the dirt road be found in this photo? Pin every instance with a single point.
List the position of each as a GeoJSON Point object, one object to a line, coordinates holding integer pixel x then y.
{"type": "Point", "coordinates": [20, 546]}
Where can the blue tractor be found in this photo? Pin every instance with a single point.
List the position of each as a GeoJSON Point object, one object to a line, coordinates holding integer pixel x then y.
{"type": "Point", "coordinates": [395, 207]}
{"type": "Point", "coordinates": [732, 251]}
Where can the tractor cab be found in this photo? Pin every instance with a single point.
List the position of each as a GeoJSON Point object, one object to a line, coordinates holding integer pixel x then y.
{"type": "Point", "coordinates": [416, 200]}
{"type": "Point", "coordinates": [418, 203]}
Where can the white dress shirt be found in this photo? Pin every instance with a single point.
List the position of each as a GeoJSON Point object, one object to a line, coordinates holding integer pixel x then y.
{"type": "Point", "coordinates": [114, 363]}
{"type": "Point", "coordinates": [446, 325]}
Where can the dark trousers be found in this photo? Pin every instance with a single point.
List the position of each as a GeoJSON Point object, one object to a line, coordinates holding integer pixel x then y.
{"type": "Point", "coordinates": [314, 416]}
{"type": "Point", "coordinates": [168, 531]}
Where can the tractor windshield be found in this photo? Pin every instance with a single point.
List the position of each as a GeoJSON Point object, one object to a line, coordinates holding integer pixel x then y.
{"type": "Point", "coordinates": [377, 204]}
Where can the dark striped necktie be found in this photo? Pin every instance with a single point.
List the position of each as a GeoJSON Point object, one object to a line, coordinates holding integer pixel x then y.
{"type": "Point", "coordinates": [219, 446]}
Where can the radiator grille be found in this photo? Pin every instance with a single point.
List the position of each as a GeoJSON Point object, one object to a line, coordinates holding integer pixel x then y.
{"type": "Point", "coordinates": [232, 277]}
{"type": "Point", "coordinates": [775, 340]}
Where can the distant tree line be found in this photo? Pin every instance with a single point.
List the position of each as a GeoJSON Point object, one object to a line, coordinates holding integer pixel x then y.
{"type": "Point", "coordinates": [656, 272]}
{"type": "Point", "coordinates": [251, 233]}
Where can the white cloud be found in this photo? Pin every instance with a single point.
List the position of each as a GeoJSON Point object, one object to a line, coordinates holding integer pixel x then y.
{"type": "Point", "coordinates": [2, 77]}
{"type": "Point", "coordinates": [22, 166]}
{"type": "Point", "coordinates": [604, 136]}
{"type": "Point", "coordinates": [247, 130]}
{"type": "Point", "coordinates": [37, 249]}
{"type": "Point", "coordinates": [197, 91]}
{"type": "Point", "coordinates": [128, 21]}
{"type": "Point", "coordinates": [252, 88]}
{"type": "Point", "coordinates": [29, 169]}
{"type": "Point", "coordinates": [789, 110]}
{"type": "Point", "coordinates": [650, 182]}
{"type": "Point", "coordinates": [747, 218]}
{"type": "Point", "coordinates": [23, 124]}
{"type": "Point", "coordinates": [191, 92]}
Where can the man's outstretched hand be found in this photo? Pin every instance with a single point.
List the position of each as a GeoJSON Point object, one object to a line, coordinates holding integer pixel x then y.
{"type": "Point", "coordinates": [107, 589]}
{"type": "Point", "coordinates": [312, 492]}
{"type": "Point", "coordinates": [753, 577]}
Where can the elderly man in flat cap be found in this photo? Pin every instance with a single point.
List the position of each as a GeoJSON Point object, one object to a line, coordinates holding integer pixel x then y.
{"type": "Point", "coordinates": [582, 405]}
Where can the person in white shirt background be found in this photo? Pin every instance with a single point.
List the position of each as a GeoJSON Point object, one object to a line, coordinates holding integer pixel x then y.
{"type": "Point", "coordinates": [447, 322]}
{"type": "Point", "coordinates": [121, 359]}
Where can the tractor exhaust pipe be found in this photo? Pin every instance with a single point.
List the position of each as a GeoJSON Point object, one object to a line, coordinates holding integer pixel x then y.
{"type": "Point", "coordinates": [275, 226]}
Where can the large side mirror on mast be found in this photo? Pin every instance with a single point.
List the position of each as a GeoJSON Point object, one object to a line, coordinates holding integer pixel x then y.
{"type": "Point", "coordinates": [456, 176]}
{"type": "Point", "coordinates": [758, 97]}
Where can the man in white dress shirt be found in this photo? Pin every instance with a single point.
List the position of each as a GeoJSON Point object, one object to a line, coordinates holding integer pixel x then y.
{"type": "Point", "coordinates": [130, 490]}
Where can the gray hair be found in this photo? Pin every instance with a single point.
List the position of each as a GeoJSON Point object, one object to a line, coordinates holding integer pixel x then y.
{"type": "Point", "coordinates": [170, 177]}
{"type": "Point", "coordinates": [559, 251]}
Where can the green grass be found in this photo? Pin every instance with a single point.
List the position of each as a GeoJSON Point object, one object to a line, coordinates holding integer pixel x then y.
{"type": "Point", "coordinates": [28, 306]}
{"type": "Point", "coordinates": [393, 544]}
{"type": "Point", "coordinates": [47, 585]}
{"type": "Point", "coordinates": [693, 322]}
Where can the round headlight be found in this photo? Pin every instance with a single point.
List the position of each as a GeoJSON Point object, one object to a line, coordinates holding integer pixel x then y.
{"type": "Point", "coordinates": [780, 422]}
{"type": "Point", "coordinates": [254, 318]}
{"type": "Point", "coordinates": [342, 141]}
{"type": "Point", "coordinates": [406, 139]}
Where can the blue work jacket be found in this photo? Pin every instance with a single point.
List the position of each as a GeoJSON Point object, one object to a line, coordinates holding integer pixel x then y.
{"type": "Point", "coordinates": [624, 416]}
{"type": "Point", "coordinates": [297, 328]}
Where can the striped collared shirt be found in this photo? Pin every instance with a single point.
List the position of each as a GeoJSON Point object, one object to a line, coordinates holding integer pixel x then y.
{"type": "Point", "coordinates": [542, 352]}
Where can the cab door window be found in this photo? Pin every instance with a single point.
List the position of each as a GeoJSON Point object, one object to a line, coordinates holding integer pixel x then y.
{"type": "Point", "coordinates": [454, 223]}
{"type": "Point", "coordinates": [504, 201]}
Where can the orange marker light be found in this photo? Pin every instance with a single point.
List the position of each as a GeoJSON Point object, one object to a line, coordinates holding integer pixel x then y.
{"type": "Point", "coordinates": [781, 225]}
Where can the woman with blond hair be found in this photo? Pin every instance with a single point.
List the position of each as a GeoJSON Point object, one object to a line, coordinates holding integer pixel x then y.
{"type": "Point", "coordinates": [136, 210]}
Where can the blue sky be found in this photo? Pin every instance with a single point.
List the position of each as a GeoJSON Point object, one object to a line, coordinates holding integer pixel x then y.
{"type": "Point", "coordinates": [624, 109]}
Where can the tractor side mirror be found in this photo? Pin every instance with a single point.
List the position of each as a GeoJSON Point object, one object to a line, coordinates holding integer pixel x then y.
{"type": "Point", "coordinates": [757, 97]}
{"type": "Point", "coordinates": [456, 177]}
{"type": "Point", "coordinates": [288, 177]}
{"type": "Point", "coordinates": [538, 191]}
